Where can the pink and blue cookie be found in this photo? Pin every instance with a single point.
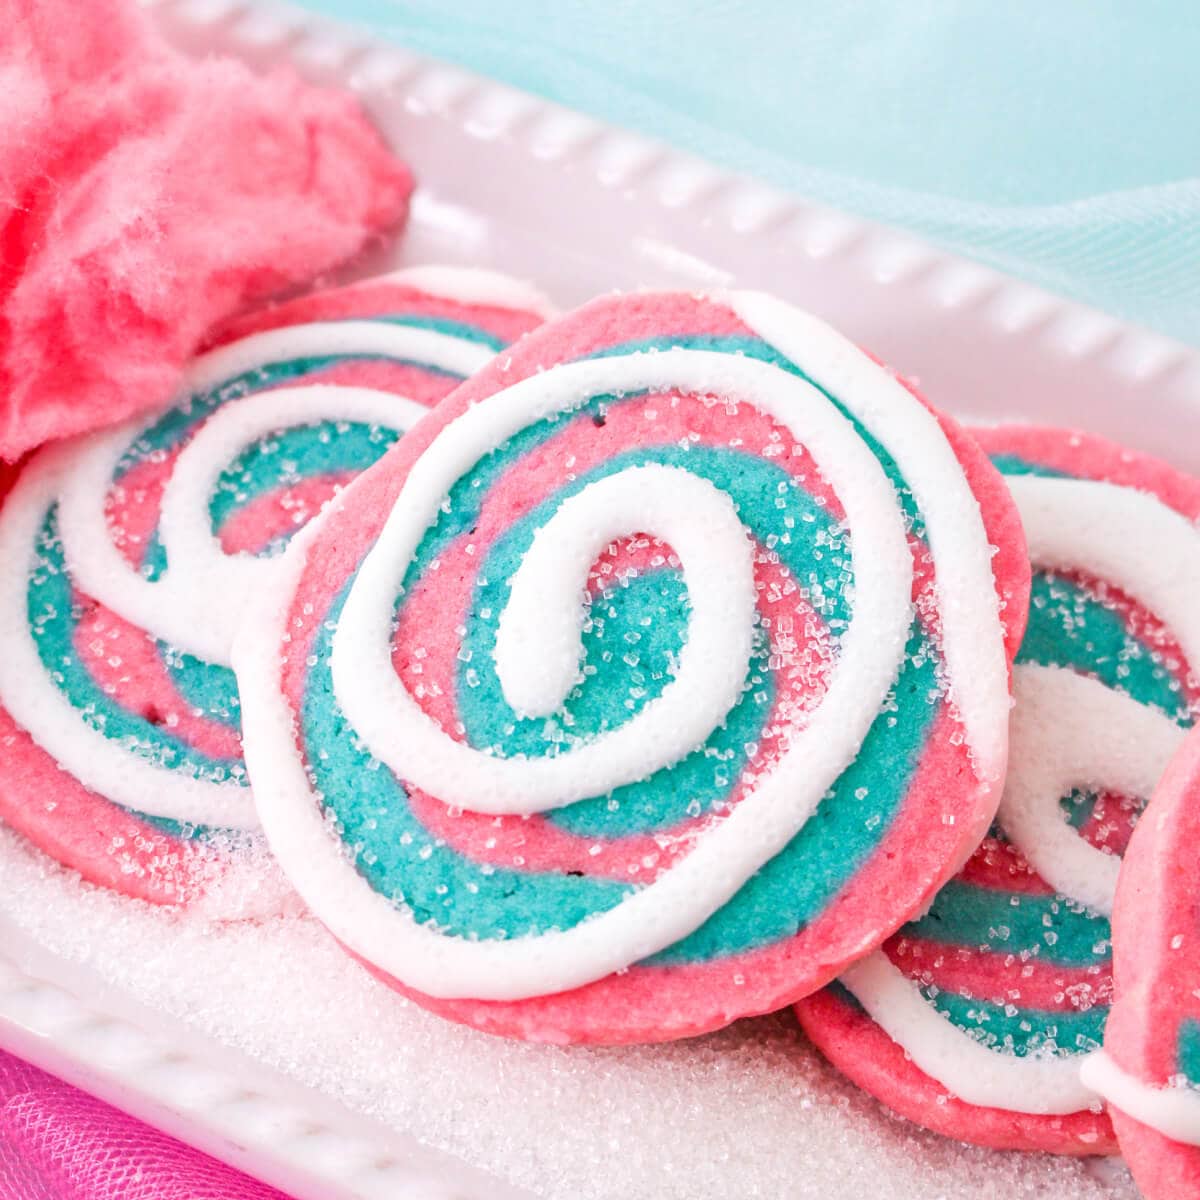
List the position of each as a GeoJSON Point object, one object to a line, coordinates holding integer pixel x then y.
{"type": "Point", "coordinates": [1149, 1069]}
{"type": "Point", "coordinates": [657, 676]}
{"type": "Point", "coordinates": [129, 556]}
{"type": "Point", "coordinates": [975, 1019]}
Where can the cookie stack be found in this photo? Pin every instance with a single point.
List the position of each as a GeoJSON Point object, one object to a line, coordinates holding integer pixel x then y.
{"type": "Point", "coordinates": [612, 677]}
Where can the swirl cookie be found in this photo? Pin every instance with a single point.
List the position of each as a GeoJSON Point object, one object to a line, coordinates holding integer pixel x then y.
{"type": "Point", "coordinates": [1149, 1070]}
{"type": "Point", "coordinates": [130, 555]}
{"type": "Point", "coordinates": [975, 1018]}
{"type": "Point", "coordinates": [656, 677]}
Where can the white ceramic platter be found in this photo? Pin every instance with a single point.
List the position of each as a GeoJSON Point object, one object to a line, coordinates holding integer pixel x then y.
{"type": "Point", "coordinates": [271, 1049]}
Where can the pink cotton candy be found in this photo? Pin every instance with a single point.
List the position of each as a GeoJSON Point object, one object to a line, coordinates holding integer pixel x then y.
{"type": "Point", "coordinates": [145, 197]}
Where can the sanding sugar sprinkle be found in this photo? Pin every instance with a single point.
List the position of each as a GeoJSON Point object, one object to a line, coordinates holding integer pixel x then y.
{"type": "Point", "coordinates": [751, 1111]}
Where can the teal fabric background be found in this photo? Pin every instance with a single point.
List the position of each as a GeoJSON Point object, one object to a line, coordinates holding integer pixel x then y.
{"type": "Point", "coordinates": [1056, 139]}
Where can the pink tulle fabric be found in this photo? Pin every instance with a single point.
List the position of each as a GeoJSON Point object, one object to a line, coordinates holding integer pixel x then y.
{"type": "Point", "coordinates": [145, 196]}
{"type": "Point", "coordinates": [57, 1143]}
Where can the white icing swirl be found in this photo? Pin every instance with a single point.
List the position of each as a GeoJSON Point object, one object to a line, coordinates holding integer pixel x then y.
{"type": "Point", "coordinates": [1068, 731]}
{"type": "Point", "coordinates": [972, 640]}
{"type": "Point", "coordinates": [197, 603]}
{"type": "Point", "coordinates": [656, 502]}
{"type": "Point", "coordinates": [39, 706]}
{"type": "Point", "coordinates": [1127, 538]}
{"type": "Point", "coordinates": [539, 642]}
{"type": "Point", "coordinates": [1041, 1084]}
{"type": "Point", "coordinates": [1174, 1110]}
{"type": "Point", "coordinates": [1074, 732]}
{"type": "Point", "coordinates": [712, 667]}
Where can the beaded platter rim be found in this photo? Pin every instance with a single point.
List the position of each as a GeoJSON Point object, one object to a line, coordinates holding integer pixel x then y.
{"type": "Point", "coordinates": [680, 220]}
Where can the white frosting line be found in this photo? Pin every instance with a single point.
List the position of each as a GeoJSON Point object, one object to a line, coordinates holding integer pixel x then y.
{"type": "Point", "coordinates": [969, 1070]}
{"type": "Point", "coordinates": [1070, 731]}
{"type": "Point", "coordinates": [1067, 731]}
{"type": "Point", "coordinates": [396, 731]}
{"type": "Point", "coordinates": [1173, 1110]}
{"type": "Point", "coordinates": [1078, 732]}
{"type": "Point", "coordinates": [968, 606]}
{"type": "Point", "coordinates": [539, 641]}
{"type": "Point", "coordinates": [400, 733]}
{"type": "Point", "coordinates": [1152, 553]}
{"type": "Point", "coordinates": [196, 605]}
{"type": "Point", "coordinates": [198, 602]}
{"type": "Point", "coordinates": [37, 704]}
{"type": "Point", "coordinates": [1128, 538]}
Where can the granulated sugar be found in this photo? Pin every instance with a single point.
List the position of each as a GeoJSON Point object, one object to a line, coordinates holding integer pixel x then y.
{"type": "Point", "coordinates": [751, 1111]}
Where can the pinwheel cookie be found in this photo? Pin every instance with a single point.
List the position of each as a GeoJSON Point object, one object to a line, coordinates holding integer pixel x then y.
{"type": "Point", "coordinates": [658, 675]}
{"type": "Point", "coordinates": [974, 1019]}
{"type": "Point", "coordinates": [1149, 1070]}
{"type": "Point", "coordinates": [129, 557]}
